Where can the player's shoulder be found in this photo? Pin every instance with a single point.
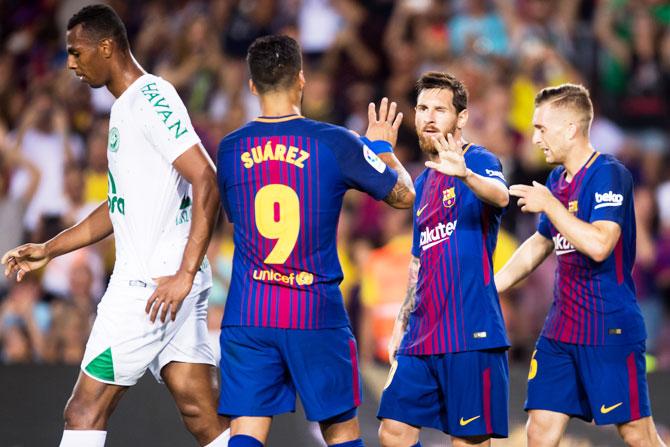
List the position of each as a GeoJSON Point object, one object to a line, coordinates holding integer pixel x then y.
{"type": "Point", "coordinates": [421, 178]}
{"type": "Point", "coordinates": [477, 153]}
{"type": "Point", "coordinates": [606, 163]}
{"type": "Point", "coordinates": [329, 132]}
{"type": "Point", "coordinates": [608, 169]}
{"type": "Point", "coordinates": [244, 131]}
{"type": "Point", "coordinates": [151, 91]}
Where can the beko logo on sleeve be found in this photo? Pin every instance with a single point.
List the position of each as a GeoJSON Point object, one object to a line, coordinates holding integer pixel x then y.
{"type": "Point", "coordinates": [608, 199]}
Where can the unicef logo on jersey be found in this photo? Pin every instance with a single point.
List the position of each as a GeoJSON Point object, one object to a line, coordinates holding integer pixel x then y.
{"type": "Point", "coordinates": [114, 140]}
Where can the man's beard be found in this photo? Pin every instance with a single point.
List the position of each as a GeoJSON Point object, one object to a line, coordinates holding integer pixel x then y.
{"type": "Point", "coordinates": [427, 144]}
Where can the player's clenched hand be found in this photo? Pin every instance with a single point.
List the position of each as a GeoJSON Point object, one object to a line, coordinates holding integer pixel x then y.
{"type": "Point", "coordinates": [169, 295]}
{"type": "Point", "coordinates": [385, 125]}
{"type": "Point", "coordinates": [451, 159]}
{"type": "Point", "coordinates": [532, 199]}
{"type": "Point", "coordinates": [24, 259]}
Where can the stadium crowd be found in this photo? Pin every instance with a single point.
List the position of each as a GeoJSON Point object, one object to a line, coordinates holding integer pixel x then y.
{"type": "Point", "coordinates": [53, 136]}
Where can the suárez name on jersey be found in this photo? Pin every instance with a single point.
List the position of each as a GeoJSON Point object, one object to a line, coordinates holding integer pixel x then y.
{"type": "Point", "coordinates": [440, 233]}
{"type": "Point", "coordinates": [162, 108]}
{"type": "Point", "coordinates": [278, 152]}
{"type": "Point", "coordinates": [608, 199]}
{"type": "Point", "coordinates": [562, 246]}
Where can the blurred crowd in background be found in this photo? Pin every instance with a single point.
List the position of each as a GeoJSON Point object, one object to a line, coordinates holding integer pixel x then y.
{"type": "Point", "coordinates": [53, 136]}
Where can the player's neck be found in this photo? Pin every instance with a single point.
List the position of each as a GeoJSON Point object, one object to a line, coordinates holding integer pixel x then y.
{"type": "Point", "coordinates": [280, 103]}
{"type": "Point", "coordinates": [125, 71]}
{"type": "Point", "coordinates": [577, 159]}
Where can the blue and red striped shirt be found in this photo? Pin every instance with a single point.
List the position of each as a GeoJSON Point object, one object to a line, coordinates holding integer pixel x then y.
{"type": "Point", "coordinates": [281, 182]}
{"type": "Point", "coordinates": [457, 306]}
{"type": "Point", "coordinates": [594, 302]}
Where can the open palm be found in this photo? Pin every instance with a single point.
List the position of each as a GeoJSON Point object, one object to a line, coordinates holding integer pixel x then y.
{"type": "Point", "coordinates": [451, 160]}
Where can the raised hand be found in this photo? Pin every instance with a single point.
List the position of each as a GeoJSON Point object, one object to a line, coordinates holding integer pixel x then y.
{"type": "Point", "coordinates": [24, 259]}
{"type": "Point", "coordinates": [385, 125]}
{"type": "Point", "coordinates": [451, 160]}
{"type": "Point", "coordinates": [532, 199]}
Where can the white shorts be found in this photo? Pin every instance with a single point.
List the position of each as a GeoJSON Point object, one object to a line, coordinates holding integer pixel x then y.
{"type": "Point", "coordinates": [124, 343]}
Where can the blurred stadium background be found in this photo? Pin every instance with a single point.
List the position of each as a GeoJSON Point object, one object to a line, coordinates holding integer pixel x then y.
{"type": "Point", "coordinates": [53, 140]}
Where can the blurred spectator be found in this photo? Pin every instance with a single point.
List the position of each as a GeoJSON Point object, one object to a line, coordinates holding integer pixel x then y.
{"type": "Point", "coordinates": [24, 321]}
{"type": "Point", "coordinates": [44, 140]}
{"type": "Point", "coordinates": [12, 209]}
{"type": "Point", "coordinates": [384, 285]}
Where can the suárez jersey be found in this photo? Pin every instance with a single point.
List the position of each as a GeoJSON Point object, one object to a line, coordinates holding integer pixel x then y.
{"type": "Point", "coordinates": [282, 181]}
{"type": "Point", "coordinates": [457, 306]}
{"type": "Point", "coordinates": [149, 202]}
{"type": "Point", "coordinates": [594, 302]}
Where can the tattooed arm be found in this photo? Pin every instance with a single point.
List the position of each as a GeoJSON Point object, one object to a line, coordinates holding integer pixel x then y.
{"type": "Point", "coordinates": [402, 194]}
{"type": "Point", "coordinates": [405, 310]}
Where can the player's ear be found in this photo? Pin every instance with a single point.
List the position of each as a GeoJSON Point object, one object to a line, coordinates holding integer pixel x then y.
{"type": "Point", "coordinates": [301, 79]}
{"type": "Point", "coordinates": [462, 119]}
{"type": "Point", "coordinates": [253, 88]}
{"type": "Point", "coordinates": [572, 131]}
{"type": "Point", "coordinates": [106, 47]}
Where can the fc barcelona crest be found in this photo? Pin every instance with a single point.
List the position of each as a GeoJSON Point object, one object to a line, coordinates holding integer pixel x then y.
{"type": "Point", "coordinates": [449, 197]}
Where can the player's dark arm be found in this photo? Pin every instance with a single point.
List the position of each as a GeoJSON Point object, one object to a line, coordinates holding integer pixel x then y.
{"type": "Point", "coordinates": [28, 257]}
{"type": "Point", "coordinates": [93, 228]}
{"type": "Point", "coordinates": [524, 261]}
{"type": "Point", "coordinates": [402, 195]}
{"type": "Point", "coordinates": [406, 308]}
{"type": "Point", "coordinates": [197, 168]}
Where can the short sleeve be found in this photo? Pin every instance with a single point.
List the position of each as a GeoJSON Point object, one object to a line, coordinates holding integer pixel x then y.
{"type": "Point", "coordinates": [544, 226]}
{"type": "Point", "coordinates": [361, 168]}
{"type": "Point", "coordinates": [487, 165]}
{"type": "Point", "coordinates": [164, 119]}
{"type": "Point", "coordinates": [610, 190]}
{"type": "Point", "coordinates": [222, 173]}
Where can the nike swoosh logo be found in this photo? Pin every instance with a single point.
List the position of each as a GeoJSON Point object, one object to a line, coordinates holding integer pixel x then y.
{"type": "Point", "coordinates": [605, 410]}
{"type": "Point", "coordinates": [465, 422]}
{"type": "Point", "coordinates": [420, 210]}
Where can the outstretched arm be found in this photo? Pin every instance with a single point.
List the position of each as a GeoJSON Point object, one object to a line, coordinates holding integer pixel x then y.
{"type": "Point", "coordinates": [525, 259]}
{"type": "Point", "coordinates": [451, 161]}
{"type": "Point", "coordinates": [385, 127]}
{"type": "Point", "coordinates": [28, 257]}
{"type": "Point", "coordinates": [406, 308]}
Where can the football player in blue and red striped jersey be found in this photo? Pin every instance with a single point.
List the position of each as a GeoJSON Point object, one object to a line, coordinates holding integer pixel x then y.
{"type": "Point", "coordinates": [589, 360]}
{"type": "Point", "coordinates": [449, 347]}
{"type": "Point", "coordinates": [282, 178]}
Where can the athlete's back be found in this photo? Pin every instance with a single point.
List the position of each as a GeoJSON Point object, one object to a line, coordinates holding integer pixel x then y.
{"type": "Point", "coordinates": [282, 181]}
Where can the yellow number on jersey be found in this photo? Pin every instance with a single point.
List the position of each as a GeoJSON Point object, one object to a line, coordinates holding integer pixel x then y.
{"type": "Point", "coordinates": [286, 227]}
{"type": "Point", "coordinates": [533, 367]}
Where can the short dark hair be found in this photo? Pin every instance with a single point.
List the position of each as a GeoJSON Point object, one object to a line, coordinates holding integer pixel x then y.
{"type": "Point", "coordinates": [101, 22]}
{"type": "Point", "coordinates": [573, 96]}
{"type": "Point", "coordinates": [442, 80]}
{"type": "Point", "coordinates": [274, 62]}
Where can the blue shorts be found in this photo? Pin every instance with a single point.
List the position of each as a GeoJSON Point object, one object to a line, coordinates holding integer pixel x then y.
{"type": "Point", "coordinates": [262, 368]}
{"type": "Point", "coordinates": [605, 383]}
{"type": "Point", "coordinates": [462, 394]}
